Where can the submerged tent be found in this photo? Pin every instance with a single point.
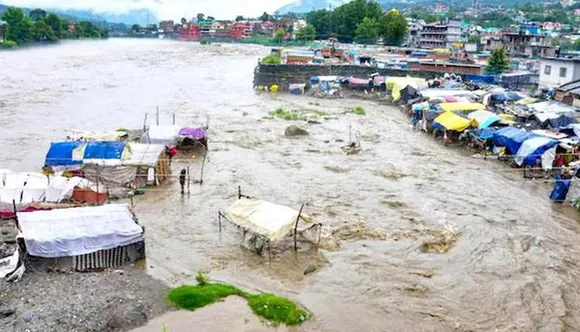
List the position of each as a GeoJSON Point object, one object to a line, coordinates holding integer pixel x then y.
{"type": "Point", "coordinates": [531, 150]}
{"type": "Point", "coordinates": [461, 106]}
{"type": "Point", "coordinates": [396, 84]}
{"type": "Point", "coordinates": [559, 122]}
{"type": "Point", "coordinates": [483, 119]}
{"type": "Point", "coordinates": [78, 231]}
{"type": "Point", "coordinates": [408, 93]}
{"type": "Point", "coordinates": [452, 121]}
{"type": "Point", "coordinates": [264, 218]}
{"type": "Point", "coordinates": [358, 83]}
{"type": "Point", "coordinates": [512, 138]}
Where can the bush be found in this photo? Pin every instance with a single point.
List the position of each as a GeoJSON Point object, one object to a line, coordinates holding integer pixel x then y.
{"type": "Point", "coordinates": [194, 297]}
{"type": "Point", "coordinates": [357, 110]}
{"type": "Point", "coordinates": [272, 59]}
{"type": "Point", "coordinates": [8, 44]}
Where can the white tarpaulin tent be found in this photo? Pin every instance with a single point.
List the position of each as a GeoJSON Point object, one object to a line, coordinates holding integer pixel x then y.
{"type": "Point", "coordinates": [78, 231]}
{"type": "Point", "coordinates": [25, 188]}
{"type": "Point", "coordinates": [143, 154]}
{"type": "Point", "coordinates": [165, 135]}
{"type": "Point", "coordinates": [264, 218]}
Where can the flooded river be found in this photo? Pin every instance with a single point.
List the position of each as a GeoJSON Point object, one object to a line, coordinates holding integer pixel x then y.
{"type": "Point", "coordinates": [515, 264]}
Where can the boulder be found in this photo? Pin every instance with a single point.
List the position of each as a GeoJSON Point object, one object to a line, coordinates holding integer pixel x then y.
{"type": "Point", "coordinates": [295, 131]}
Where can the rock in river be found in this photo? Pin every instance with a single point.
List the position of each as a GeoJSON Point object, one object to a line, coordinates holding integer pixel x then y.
{"type": "Point", "coordinates": [295, 131]}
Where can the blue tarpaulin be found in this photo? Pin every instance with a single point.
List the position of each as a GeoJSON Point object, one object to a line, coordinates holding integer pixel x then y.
{"type": "Point", "coordinates": [531, 150]}
{"type": "Point", "coordinates": [512, 138]}
{"type": "Point", "coordinates": [561, 187]}
{"type": "Point", "coordinates": [60, 154]}
{"type": "Point", "coordinates": [104, 150]}
{"type": "Point", "coordinates": [487, 133]}
{"type": "Point", "coordinates": [489, 79]}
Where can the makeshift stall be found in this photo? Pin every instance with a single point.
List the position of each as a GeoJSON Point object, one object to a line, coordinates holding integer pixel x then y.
{"type": "Point", "coordinates": [268, 222]}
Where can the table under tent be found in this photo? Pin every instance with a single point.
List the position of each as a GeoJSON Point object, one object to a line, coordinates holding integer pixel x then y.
{"type": "Point", "coordinates": [268, 223]}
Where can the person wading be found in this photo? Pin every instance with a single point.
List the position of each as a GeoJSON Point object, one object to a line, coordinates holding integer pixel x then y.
{"type": "Point", "coordinates": [182, 180]}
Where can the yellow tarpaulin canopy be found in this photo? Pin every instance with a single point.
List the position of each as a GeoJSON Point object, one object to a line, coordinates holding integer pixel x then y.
{"type": "Point", "coordinates": [452, 121]}
{"type": "Point", "coordinates": [462, 106]}
{"type": "Point", "coordinates": [526, 101]}
{"type": "Point", "coordinates": [396, 84]}
{"type": "Point", "coordinates": [507, 117]}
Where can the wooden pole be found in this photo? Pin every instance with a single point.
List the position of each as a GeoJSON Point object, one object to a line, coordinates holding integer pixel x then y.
{"type": "Point", "coordinates": [220, 221]}
{"type": "Point", "coordinates": [174, 119]}
{"type": "Point", "coordinates": [145, 123]}
{"type": "Point", "coordinates": [202, 167]}
{"type": "Point", "coordinates": [188, 180]}
{"type": "Point", "coordinates": [157, 115]}
{"type": "Point", "coordinates": [16, 215]}
{"type": "Point", "coordinates": [239, 192]}
{"type": "Point", "coordinates": [296, 227]}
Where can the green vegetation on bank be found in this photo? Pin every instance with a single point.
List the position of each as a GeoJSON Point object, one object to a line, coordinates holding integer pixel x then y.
{"type": "Point", "coordinates": [358, 111]}
{"type": "Point", "coordinates": [42, 27]}
{"type": "Point", "coordinates": [273, 308]}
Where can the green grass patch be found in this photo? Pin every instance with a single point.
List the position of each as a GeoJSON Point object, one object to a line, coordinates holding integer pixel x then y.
{"type": "Point", "coordinates": [296, 115]}
{"type": "Point", "coordinates": [194, 297]}
{"type": "Point", "coordinates": [272, 59]}
{"type": "Point", "coordinates": [358, 111]}
{"type": "Point", "coordinates": [277, 309]}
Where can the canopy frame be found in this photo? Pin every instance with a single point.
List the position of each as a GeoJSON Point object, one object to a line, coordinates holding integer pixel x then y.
{"type": "Point", "coordinates": [266, 240]}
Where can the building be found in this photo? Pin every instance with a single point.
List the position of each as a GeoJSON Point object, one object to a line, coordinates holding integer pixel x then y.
{"type": "Point", "coordinates": [555, 72]}
{"type": "Point", "coordinates": [189, 32]}
{"type": "Point", "coordinates": [448, 67]}
{"type": "Point", "coordinates": [241, 30]}
{"type": "Point", "coordinates": [442, 34]}
{"type": "Point", "coordinates": [415, 27]}
{"type": "Point", "coordinates": [520, 44]}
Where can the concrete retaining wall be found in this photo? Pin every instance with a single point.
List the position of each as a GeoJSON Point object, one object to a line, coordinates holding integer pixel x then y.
{"type": "Point", "coordinates": [284, 75]}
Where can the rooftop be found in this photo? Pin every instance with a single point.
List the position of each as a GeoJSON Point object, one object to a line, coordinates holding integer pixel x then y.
{"type": "Point", "coordinates": [575, 60]}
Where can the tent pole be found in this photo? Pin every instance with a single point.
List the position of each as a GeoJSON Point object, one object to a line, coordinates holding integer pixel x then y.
{"type": "Point", "coordinates": [188, 180]}
{"type": "Point", "coordinates": [202, 167]}
{"type": "Point", "coordinates": [296, 227]}
{"type": "Point", "coordinates": [145, 123]}
{"type": "Point", "coordinates": [15, 215]}
{"type": "Point", "coordinates": [174, 119]}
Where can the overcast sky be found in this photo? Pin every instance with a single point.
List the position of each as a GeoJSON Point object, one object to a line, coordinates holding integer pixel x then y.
{"type": "Point", "coordinates": [171, 9]}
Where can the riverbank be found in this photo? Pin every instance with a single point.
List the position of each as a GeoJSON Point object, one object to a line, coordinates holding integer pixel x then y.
{"type": "Point", "coordinates": [117, 300]}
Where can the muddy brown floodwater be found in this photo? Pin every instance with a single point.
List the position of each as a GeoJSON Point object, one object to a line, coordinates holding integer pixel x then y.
{"type": "Point", "coordinates": [513, 262]}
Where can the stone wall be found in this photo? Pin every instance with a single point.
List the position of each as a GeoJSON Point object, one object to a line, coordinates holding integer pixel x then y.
{"type": "Point", "coordinates": [284, 75]}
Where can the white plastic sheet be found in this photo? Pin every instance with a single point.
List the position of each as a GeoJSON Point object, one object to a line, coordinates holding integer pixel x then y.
{"type": "Point", "coordinates": [267, 219]}
{"type": "Point", "coordinates": [78, 231]}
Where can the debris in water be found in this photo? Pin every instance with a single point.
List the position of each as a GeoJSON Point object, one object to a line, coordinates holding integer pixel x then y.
{"type": "Point", "coordinates": [440, 244]}
{"type": "Point", "coordinates": [296, 115]}
{"type": "Point", "coordinates": [392, 203]}
{"type": "Point", "coordinates": [390, 173]}
{"type": "Point", "coordinates": [337, 169]}
{"type": "Point", "coordinates": [357, 231]}
{"type": "Point", "coordinates": [416, 289]}
{"type": "Point", "coordinates": [352, 148]}
{"type": "Point", "coordinates": [295, 131]}
{"type": "Point", "coordinates": [426, 273]}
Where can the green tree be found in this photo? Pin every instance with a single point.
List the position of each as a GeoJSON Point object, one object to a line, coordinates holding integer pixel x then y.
{"type": "Point", "coordinates": [393, 28]}
{"type": "Point", "coordinates": [240, 18]}
{"type": "Point", "coordinates": [200, 16]}
{"type": "Point", "coordinates": [55, 24]}
{"type": "Point", "coordinates": [89, 30]}
{"type": "Point", "coordinates": [41, 32]}
{"type": "Point", "coordinates": [264, 17]}
{"type": "Point", "coordinates": [18, 26]}
{"type": "Point", "coordinates": [498, 61]}
{"type": "Point", "coordinates": [345, 18]}
{"type": "Point", "coordinates": [366, 31]}
{"type": "Point", "coordinates": [576, 45]}
{"type": "Point", "coordinates": [320, 20]}
{"type": "Point", "coordinates": [474, 39]}
{"type": "Point", "coordinates": [307, 33]}
{"type": "Point", "coordinates": [37, 15]}
{"type": "Point", "coordinates": [279, 35]}
{"type": "Point", "coordinates": [135, 28]}
{"type": "Point", "coordinates": [429, 17]}
{"type": "Point", "coordinates": [211, 18]}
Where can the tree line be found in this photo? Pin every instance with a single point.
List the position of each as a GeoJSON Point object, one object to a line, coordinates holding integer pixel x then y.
{"type": "Point", "coordinates": [42, 27]}
{"type": "Point", "coordinates": [362, 21]}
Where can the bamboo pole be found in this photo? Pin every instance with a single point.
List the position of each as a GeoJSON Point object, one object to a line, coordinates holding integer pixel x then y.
{"type": "Point", "coordinates": [296, 227]}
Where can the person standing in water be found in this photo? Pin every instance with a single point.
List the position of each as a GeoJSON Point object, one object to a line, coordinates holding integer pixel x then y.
{"type": "Point", "coordinates": [182, 180]}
